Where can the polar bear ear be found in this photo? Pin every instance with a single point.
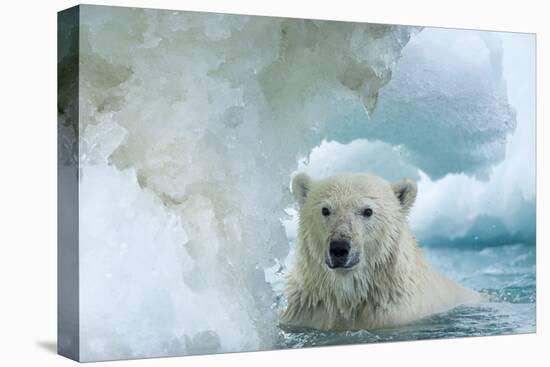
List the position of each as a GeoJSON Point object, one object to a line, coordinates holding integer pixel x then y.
{"type": "Point", "coordinates": [301, 184]}
{"type": "Point", "coordinates": [405, 191]}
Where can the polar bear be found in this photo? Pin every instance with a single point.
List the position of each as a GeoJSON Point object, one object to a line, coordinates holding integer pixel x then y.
{"type": "Point", "coordinates": [357, 264]}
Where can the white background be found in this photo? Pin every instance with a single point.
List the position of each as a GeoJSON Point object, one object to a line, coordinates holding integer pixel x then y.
{"type": "Point", "coordinates": [28, 182]}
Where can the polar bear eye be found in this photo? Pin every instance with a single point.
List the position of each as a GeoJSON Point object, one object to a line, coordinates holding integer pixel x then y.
{"type": "Point", "coordinates": [367, 212]}
{"type": "Point", "coordinates": [325, 211]}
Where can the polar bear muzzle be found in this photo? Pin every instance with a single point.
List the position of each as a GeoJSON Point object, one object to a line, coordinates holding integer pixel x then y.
{"type": "Point", "coordinates": [340, 255]}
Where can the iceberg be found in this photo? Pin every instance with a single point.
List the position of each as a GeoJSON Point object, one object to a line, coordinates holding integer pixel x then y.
{"type": "Point", "coordinates": [183, 176]}
{"type": "Point", "coordinates": [458, 117]}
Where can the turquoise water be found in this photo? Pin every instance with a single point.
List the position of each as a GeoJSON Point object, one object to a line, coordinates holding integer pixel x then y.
{"type": "Point", "coordinates": [505, 273]}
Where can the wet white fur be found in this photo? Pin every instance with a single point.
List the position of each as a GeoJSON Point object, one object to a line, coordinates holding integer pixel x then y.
{"type": "Point", "coordinates": [391, 285]}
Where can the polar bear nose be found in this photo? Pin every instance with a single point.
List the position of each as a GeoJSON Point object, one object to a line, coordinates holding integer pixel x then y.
{"type": "Point", "coordinates": [339, 251]}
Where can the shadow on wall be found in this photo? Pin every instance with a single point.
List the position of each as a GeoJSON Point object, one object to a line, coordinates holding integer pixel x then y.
{"type": "Point", "coordinates": [48, 345]}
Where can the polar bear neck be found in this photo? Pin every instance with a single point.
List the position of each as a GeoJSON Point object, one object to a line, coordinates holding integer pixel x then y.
{"type": "Point", "coordinates": [343, 297]}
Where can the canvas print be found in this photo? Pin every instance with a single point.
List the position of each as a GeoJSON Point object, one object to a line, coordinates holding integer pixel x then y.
{"type": "Point", "coordinates": [233, 183]}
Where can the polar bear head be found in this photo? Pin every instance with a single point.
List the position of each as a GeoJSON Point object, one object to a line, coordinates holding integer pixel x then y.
{"type": "Point", "coordinates": [353, 222]}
